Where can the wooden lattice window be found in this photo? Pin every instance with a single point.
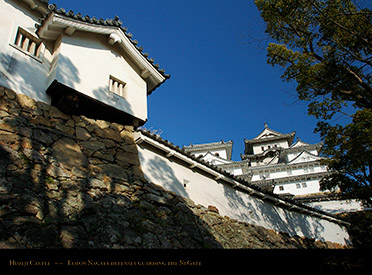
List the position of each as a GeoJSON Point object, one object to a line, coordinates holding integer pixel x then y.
{"type": "Point", "coordinates": [117, 86]}
{"type": "Point", "coordinates": [28, 43]}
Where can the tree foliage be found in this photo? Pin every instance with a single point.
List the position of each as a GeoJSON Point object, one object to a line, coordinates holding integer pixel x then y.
{"type": "Point", "coordinates": [325, 46]}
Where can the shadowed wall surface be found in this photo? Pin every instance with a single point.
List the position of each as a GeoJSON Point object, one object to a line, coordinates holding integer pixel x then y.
{"type": "Point", "coordinates": [74, 182]}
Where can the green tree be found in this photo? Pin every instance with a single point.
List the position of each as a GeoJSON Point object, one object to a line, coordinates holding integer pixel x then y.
{"type": "Point", "coordinates": [325, 46]}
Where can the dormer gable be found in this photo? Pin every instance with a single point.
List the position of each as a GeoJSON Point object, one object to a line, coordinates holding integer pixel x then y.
{"type": "Point", "coordinates": [305, 156]}
{"type": "Point", "coordinates": [214, 159]}
{"type": "Point", "coordinates": [220, 149]}
{"type": "Point", "coordinates": [97, 69]}
{"type": "Point", "coordinates": [267, 133]}
{"type": "Point", "coordinates": [299, 143]}
{"type": "Point", "coordinates": [59, 22]}
{"type": "Point", "coordinates": [268, 139]}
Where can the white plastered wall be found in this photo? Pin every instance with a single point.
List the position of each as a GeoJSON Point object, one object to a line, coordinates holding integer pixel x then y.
{"type": "Point", "coordinates": [83, 61]}
{"type": "Point", "coordinates": [85, 64]}
{"type": "Point", "coordinates": [19, 71]}
{"type": "Point", "coordinates": [172, 176]}
{"type": "Point", "coordinates": [337, 206]}
{"type": "Point", "coordinates": [298, 187]}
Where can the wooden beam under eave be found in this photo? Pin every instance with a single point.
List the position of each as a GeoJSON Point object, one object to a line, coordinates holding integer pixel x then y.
{"type": "Point", "coordinates": [145, 73]}
{"type": "Point", "coordinates": [70, 30]}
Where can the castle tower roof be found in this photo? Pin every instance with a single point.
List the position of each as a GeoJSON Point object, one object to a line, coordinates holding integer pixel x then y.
{"type": "Point", "coordinates": [269, 134]}
{"type": "Point", "coordinates": [195, 148]}
{"type": "Point", "coordinates": [266, 136]}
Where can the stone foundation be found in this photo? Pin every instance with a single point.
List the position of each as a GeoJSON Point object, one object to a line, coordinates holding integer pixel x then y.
{"type": "Point", "coordinates": [73, 182]}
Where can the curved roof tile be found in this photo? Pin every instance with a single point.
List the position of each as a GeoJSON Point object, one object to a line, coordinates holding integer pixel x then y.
{"type": "Point", "coordinates": [236, 178]}
{"type": "Point", "coordinates": [116, 22]}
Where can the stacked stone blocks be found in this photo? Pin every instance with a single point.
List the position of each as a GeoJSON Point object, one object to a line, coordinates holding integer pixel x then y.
{"type": "Point", "coordinates": [73, 182]}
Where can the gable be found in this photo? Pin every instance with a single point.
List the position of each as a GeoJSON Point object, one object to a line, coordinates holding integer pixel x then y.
{"type": "Point", "coordinates": [267, 133]}
{"type": "Point", "coordinates": [215, 159]}
{"type": "Point", "coordinates": [67, 23]}
{"type": "Point", "coordinates": [305, 156]}
{"type": "Point", "coordinates": [222, 149]}
{"type": "Point", "coordinates": [299, 143]}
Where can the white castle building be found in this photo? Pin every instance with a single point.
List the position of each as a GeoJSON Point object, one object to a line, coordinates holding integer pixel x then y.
{"type": "Point", "coordinates": [270, 160]}
{"type": "Point", "coordinates": [276, 163]}
{"type": "Point", "coordinates": [80, 64]}
{"type": "Point", "coordinates": [93, 67]}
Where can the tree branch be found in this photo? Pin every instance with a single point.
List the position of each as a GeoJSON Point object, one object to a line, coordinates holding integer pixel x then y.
{"type": "Point", "coordinates": [328, 18]}
{"type": "Point", "coordinates": [358, 178]}
{"type": "Point", "coordinates": [311, 46]}
{"type": "Point", "coordinates": [366, 61]}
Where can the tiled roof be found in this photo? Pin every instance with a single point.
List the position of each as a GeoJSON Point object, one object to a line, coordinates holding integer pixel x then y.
{"type": "Point", "coordinates": [194, 148]}
{"type": "Point", "coordinates": [108, 22]}
{"type": "Point", "coordinates": [42, 1]}
{"type": "Point", "coordinates": [184, 152]}
{"type": "Point", "coordinates": [275, 135]}
{"type": "Point", "coordinates": [289, 136]}
{"type": "Point", "coordinates": [220, 144]}
{"type": "Point", "coordinates": [40, 6]}
{"type": "Point", "coordinates": [317, 197]}
{"type": "Point", "coordinates": [290, 203]}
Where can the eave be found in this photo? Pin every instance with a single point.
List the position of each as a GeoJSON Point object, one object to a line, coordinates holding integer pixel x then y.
{"type": "Point", "coordinates": [193, 148]}
{"type": "Point", "coordinates": [288, 137]}
{"type": "Point", "coordinates": [41, 6]}
{"type": "Point", "coordinates": [291, 179]}
{"type": "Point", "coordinates": [56, 24]}
{"type": "Point", "coordinates": [88, 106]}
{"type": "Point", "coordinates": [317, 158]}
{"type": "Point", "coordinates": [225, 161]}
{"type": "Point", "coordinates": [171, 151]}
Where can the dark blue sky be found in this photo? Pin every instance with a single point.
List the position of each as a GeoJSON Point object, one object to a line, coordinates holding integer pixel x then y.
{"type": "Point", "coordinates": [221, 86]}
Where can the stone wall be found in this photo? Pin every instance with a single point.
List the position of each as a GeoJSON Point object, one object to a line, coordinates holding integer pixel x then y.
{"type": "Point", "coordinates": [73, 182]}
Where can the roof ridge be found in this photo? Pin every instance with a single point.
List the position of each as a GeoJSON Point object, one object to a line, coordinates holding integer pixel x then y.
{"type": "Point", "coordinates": [222, 142]}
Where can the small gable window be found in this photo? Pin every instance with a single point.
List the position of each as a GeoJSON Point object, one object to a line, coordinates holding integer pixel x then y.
{"type": "Point", "coordinates": [117, 86]}
{"type": "Point", "coordinates": [27, 43]}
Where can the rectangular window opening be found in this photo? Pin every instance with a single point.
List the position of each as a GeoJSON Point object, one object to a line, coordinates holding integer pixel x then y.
{"type": "Point", "coordinates": [28, 43]}
{"type": "Point", "coordinates": [185, 182]}
{"type": "Point", "coordinates": [117, 86]}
